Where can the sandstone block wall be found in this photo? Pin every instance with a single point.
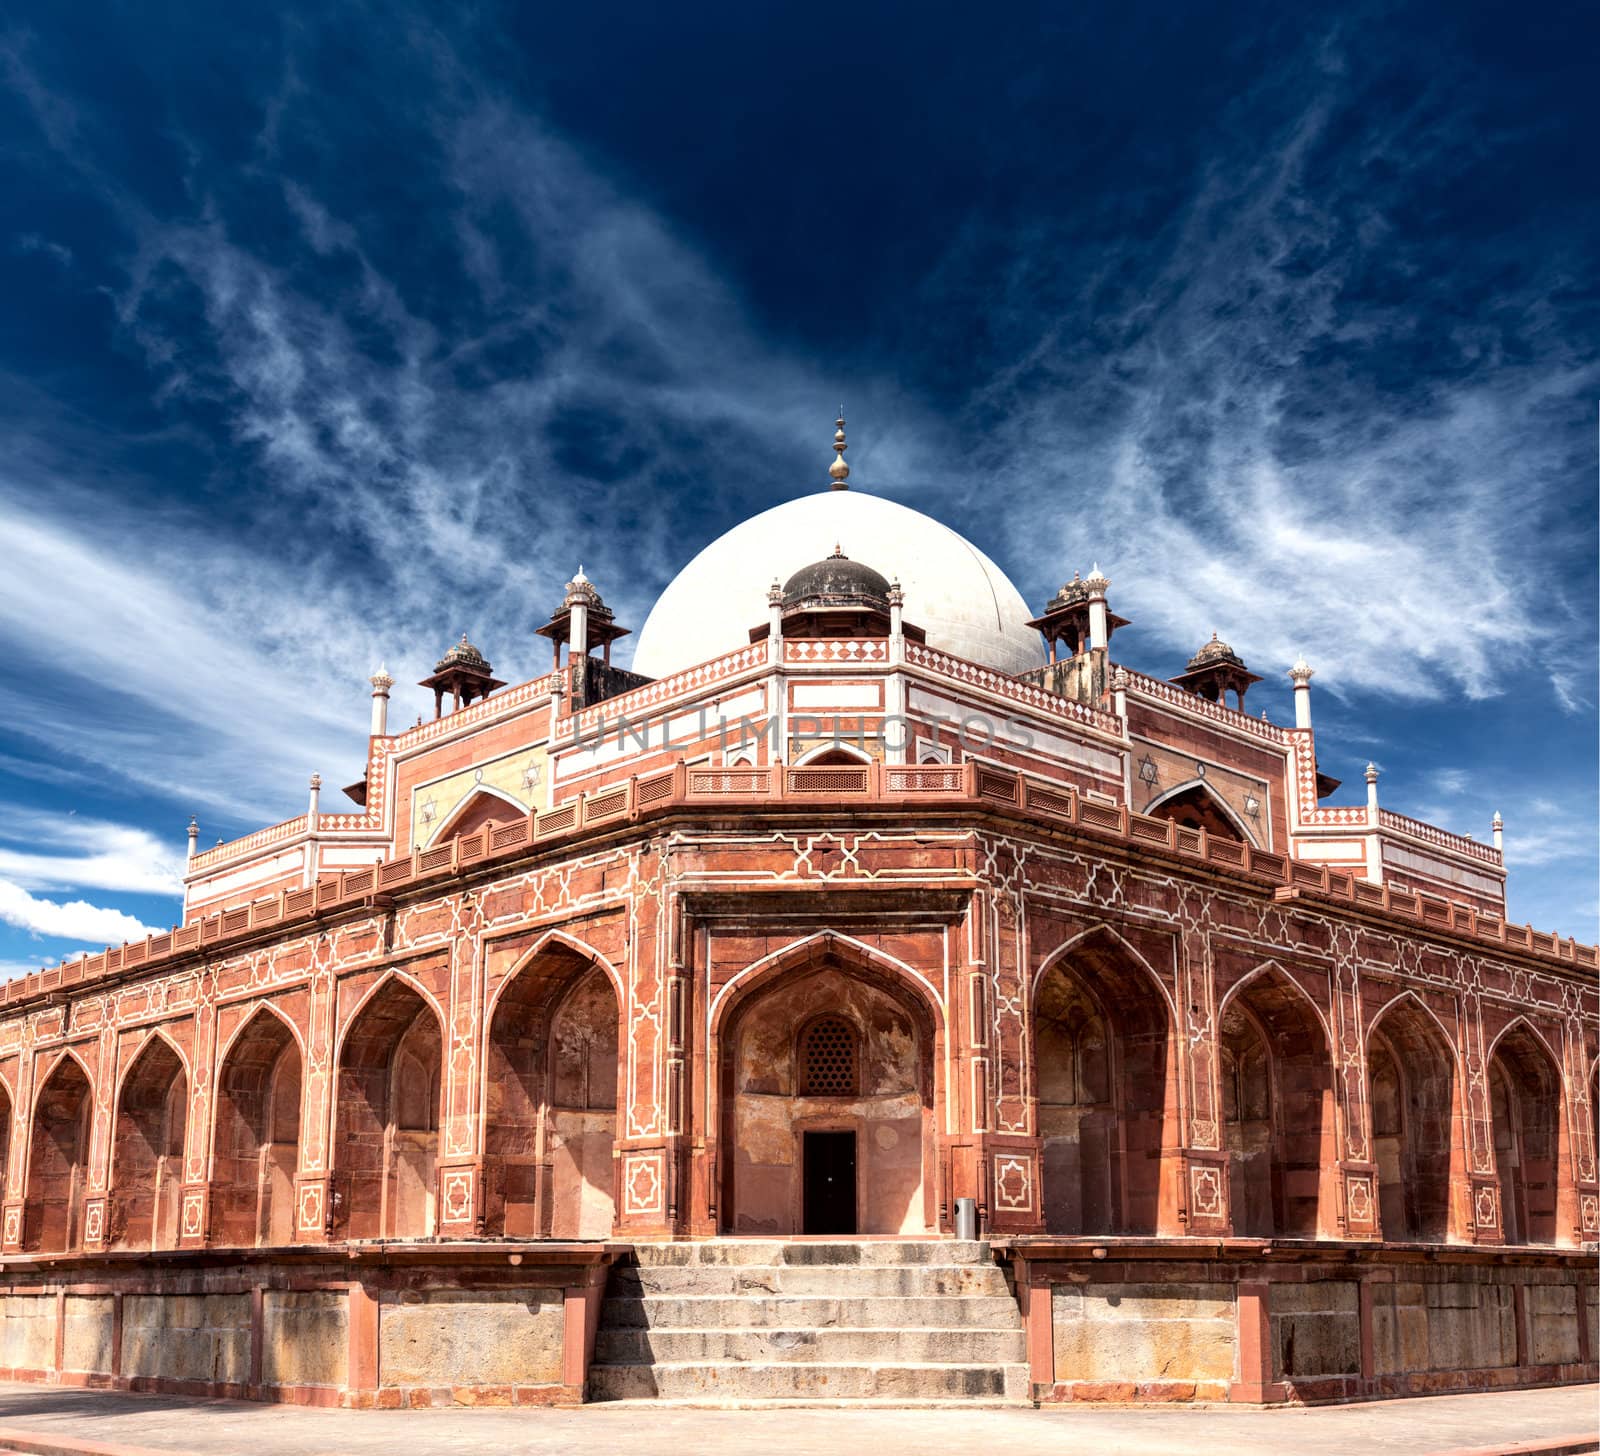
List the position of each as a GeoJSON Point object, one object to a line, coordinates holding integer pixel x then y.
{"type": "Point", "coordinates": [27, 1332]}
{"type": "Point", "coordinates": [439, 1339]}
{"type": "Point", "coordinates": [189, 1337]}
{"type": "Point", "coordinates": [1310, 1332]}
{"type": "Point", "coordinates": [1316, 1328]}
{"type": "Point", "coordinates": [88, 1333]}
{"type": "Point", "coordinates": [1128, 1335]}
{"type": "Point", "coordinates": [305, 1338]}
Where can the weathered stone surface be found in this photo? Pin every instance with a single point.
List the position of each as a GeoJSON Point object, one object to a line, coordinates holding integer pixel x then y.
{"type": "Point", "coordinates": [1553, 1323]}
{"type": "Point", "coordinates": [1458, 1324]}
{"type": "Point", "coordinates": [443, 1337]}
{"type": "Point", "coordinates": [86, 1332]}
{"type": "Point", "coordinates": [305, 1337]}
{"type": "Point", "coordinates": [187, 1337]}
{"type": "Point", "coordinates": [1316, 1329]}
{"type": "Point", "coordinates": [27, 1332]}
{"type": "Point", "coordinates": [1144, 1332]}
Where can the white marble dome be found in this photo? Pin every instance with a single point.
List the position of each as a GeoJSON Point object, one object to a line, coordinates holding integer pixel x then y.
{"type": "Point", "coordinates": [959, 597]}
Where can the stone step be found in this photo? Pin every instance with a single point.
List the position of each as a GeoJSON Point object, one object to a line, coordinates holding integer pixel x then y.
{"type": "Point", "coordinates": [788, 1312]}
{"type": "Point", "coordinates": [813, 1251]}
{"type": "Point", "coordinates": [784, 1380]}
{"type": "Point", "coordinates": [858, 1281]}
{"type": "Point", "coordinates": [828, 1345]}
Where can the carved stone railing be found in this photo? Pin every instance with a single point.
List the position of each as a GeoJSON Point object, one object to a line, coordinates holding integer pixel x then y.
{"type": "Point", "coordinates": [1153, 687]}
{"type": "Point", "coordinates": [989, 680]}
{"type": "Point", "coordinates": [248, 844]}
{"type": "Point", "coordinates": [1443, 838]}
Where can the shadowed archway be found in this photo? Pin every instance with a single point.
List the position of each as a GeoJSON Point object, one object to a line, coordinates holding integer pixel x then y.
{"type": "Point", "coordinates": [58, 1160]}
{"type": "Point", "coordinates": [257, 1144]}
{"type": "Point", "coordinates": [1413, 1097]}
{"type": "Point", "coordinates": [1198, 806]}
{"type": "Point", "coordinates": [1525, 1103]}
{"type": "Point", "coordinates": [1277, 1106]}
{"type": "Point", "coordinates": [386, 1141]}
{"type": "Point", "coordinates": [550, 1099]}
{"type": "Point", "coordinates": [825, 1085]}
{"type": "Point", "coordinates": [147, 1150]}
{"type": "Point", "coordinates": [1106, 1074]}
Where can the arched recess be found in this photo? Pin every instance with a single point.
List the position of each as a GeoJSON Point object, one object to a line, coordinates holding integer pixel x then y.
{"type": "Point", "coordinates": [58, 1160]}
{"type": "Point", "coordinates": [1526, 1107]}
{"type": "Point", "coordinates": [832, 1154]}
{"type": "Point", "coordinates": [1196, 805]}
{"type": "Point", "coordinates": [550, 1098]}
{"type": "Point", "coordinates": [1413, 1098]}
{"type": "Point", "coordinates": [147, 1149]}
{"type": "Point", "coordinates": [5, 1133]}
{"type": "Point", "coordinates": [1594, 1121]}
{"type": "Point", "coordinates": [1277, 1107]}
{"type": "Point", "coordinates": [484, 805]}
{"type": "Point", "coordinates": [386, 1124]}
{"type": "Point", "coordinates": [256, 1147]}
{"type": "Point", "coordinates": [1105, 1065]}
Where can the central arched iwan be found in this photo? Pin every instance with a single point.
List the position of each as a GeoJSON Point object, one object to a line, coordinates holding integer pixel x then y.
{"type": "Point", "coordinates": [826, 1090]}
{"type": "Point", "coordinates": [1106, 1074]}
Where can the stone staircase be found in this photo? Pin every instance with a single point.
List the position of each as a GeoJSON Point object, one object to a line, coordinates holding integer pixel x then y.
{"type": "Point", "coordinates": [733, 1322]}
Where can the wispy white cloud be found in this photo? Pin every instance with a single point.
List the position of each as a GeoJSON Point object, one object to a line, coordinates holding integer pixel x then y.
{"type": "Point", "coordinates": [1197, 436]}
{"type": "Point", "coordinates": [44, 851]}
{"type": "Point", "coordinates": [74, 920]}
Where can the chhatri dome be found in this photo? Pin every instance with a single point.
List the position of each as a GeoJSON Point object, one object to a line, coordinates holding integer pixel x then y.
{"type": "Point", "coordinates": [955, 593]}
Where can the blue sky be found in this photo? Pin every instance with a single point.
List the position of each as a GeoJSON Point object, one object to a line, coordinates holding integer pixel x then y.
{"type": "Point", "coordinates": [330, 332]}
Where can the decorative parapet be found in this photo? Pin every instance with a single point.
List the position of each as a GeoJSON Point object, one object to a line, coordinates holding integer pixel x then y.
{"type": "Point", "coordinates": [250, 843]}
{"type": "Point", "coordinates": [968, 787]}
{"type": "Point", "coordinates": [652, 695]}
{"type": "Point", "coordinates": [1440, 838]}
{"type": "Point", "coordinates": [986, 678]}
{"type": "Point", "coordinates": [1166, 693]}
{"type": "Point", "coordinates": [828, 652]}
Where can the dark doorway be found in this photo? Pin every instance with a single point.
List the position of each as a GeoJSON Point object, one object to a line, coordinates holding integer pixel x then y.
{"type": "Point", "coordinates": [830, 1183]}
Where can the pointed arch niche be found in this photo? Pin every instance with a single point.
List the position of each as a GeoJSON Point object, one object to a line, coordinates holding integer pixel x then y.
{"type": "Point", "coordinates": [5, 1134]}
{"type": "Point", "coordinates": [1197, 805]}
{"type": "Point", "coordinates": [550, 1104]}
{"type": "Point", "coordinates": [257, 1145]}
{"type": "Point", "coordinates": [1526, 1106]}
{"type": "Point", "coordinates": [1106, 1073]}
{"type": "Point", "coordinates": [1414, 1101]}
{"type": "Point", "coordinates": [482, 806]}
{"type": "Point", "coordinates": [1277, 1107]}
{"type": "Point", "coordinates": [386, 1141]}
{"type": "Point", "coordinates": [147, 1149]}
{"type": "Point", "coordinates": [58, 1160]}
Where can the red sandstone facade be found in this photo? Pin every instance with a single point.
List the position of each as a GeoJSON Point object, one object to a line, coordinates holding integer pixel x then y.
{"type": "Point", "coordinates": [599, 954]}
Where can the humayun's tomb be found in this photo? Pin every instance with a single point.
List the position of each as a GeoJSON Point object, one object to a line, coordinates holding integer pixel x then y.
{"type": "Point", "coordinates": [644, 1033]}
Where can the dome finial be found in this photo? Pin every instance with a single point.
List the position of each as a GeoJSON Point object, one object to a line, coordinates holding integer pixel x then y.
{"type": "Point", "coordinates": [839, 470]}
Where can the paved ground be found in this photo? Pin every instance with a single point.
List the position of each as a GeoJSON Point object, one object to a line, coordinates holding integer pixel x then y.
{"type": "Point", "coordinates": [1491, 1422]}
